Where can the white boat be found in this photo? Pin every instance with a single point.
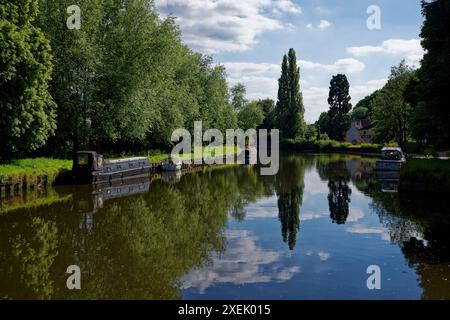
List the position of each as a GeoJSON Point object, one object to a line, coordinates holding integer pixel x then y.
{"type": "Point", "coordinates": [172, 164]}
{"type": "Point", "coordinates": [391, 159]}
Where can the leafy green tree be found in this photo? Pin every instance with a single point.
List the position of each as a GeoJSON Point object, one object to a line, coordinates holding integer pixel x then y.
{"type": "Point", "coordinates": [360, 113]}
{"type": "Point", "coordinates": [433, 87]}
{"type": "Point", "coordinates": [238, 99]}
{"type": "Point", "coordinates": [290, 109]}
{"type": "Point", "coordinates": [28, 115]}
{"type": "Point", "coordinates": [323, 124]}
{"type": "Point", "coordinates": [311, 132]}
{"type": "Point", "coordinates": [268, 108]}
{"type": "Point", "coordinates": [340, 106]}
{"type": "Point", "coordinates": [391, 111]}
{"type": "Point", "coordinates": [77, 55]}
{"type": "Point", "coordinates": [251, 116]}
{"type": "Point", "coordinates": [367, 103]}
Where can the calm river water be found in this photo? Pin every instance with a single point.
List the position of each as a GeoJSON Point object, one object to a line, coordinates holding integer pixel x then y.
{"type": "Point", "coordinates": [310, 232]}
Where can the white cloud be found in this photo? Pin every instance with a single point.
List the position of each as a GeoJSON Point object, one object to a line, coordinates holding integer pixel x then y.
{"type": "Point", "coordinates": [324, 24]}
{"type": "Point", "coordinates": [410, 50]}
{"type": "Point", "coordinates": [261, 80]}
{"type": "Point", "coordinates": [213, 26]}
{"type": "Point", "coordinates": [347, 65]}
{"type": "Point", "coordinates": [243, 262]}
{"type": "Point", "coordinates": [359, 92]}
{"type": "Point", "coordinates": [287, 6]}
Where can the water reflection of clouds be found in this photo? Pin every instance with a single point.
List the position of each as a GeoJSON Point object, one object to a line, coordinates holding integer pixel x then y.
{"type": "Point", "coordinates": [313, 184]}
{"type": "Point", "coordinates": [243, 262]}
{"type": "Point", "coordinates": [360, 229]}
{"type": "Point", "coordinates": [263, 208]}
{"type": "Point", "coordinates": [355, 214]}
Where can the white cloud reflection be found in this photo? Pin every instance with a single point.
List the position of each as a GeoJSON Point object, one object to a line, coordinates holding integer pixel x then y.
{"type": "Point", "coordinates": [243, 262]}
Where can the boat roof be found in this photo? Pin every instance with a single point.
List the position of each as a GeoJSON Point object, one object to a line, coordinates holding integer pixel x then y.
{"type": "Point", "coordinates": [392, 149]}
{"type": "Point", "coordinates": [127, 160]}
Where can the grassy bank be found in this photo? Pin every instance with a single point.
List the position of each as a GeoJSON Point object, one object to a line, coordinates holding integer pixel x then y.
{"type": "Point", "coordinates": [329, 146]}
{"type": "Point", "coordinates": [18, 171]}
{"type": "Point", "coordinates": [425, 175]}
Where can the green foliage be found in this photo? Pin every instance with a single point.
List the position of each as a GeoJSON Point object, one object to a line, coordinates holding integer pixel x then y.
{"type": "Point", "coordinates": [426, 175]}
{"type": "Point", "coordinates": [432, 89]}
{"type": "Point", "coordinates": [340, 106]}
{"type": "Point", "coordinates": [359, 113]}
{"type": "Point", "coordinates": [27, 109]}
{"type": "Point", "coordinates": [391, 111]}
{"type": "Point", "coordinates": [367, 103]}
{"type": "Point", "coordinates": [311, 132]}
{"type": "Point", "coordinates": [125, 81]}
{"type": "Point", "coordinates": [290, 109]}
{"type": "Point", "coordinates": [326, 145]}
{"type": "Point", "coordinates": [268, 108]}
{"type": "Point", "coordinates": [251, 116]}
{"type": "Point", "coordinates": [238, 100]}
{"type": "Point", "coordinates": [323, 124]}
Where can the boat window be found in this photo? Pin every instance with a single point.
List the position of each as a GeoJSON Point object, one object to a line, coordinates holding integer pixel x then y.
{"type": "Point", "coordinates": [119, 167]}
{"type": "Point", "coordinates": [108, 169]}
{"type": "Point", "coordinates": [83, 159]}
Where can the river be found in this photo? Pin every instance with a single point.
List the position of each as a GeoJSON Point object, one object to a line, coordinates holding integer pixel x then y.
{"type": "Point", "coordinates": [310, 232]}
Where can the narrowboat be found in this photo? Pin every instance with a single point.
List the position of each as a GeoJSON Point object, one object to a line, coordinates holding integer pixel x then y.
{"type": "Point", "coordinates": [90, 167]}
{"type": "Point", "coordinates": [391, 159]}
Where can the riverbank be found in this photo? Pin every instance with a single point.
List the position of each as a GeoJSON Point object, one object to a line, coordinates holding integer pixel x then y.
{"type": "Point", "coordinates": [19, 175]}
{"type": "Point", "coordinates": [425, 176]}
{"type": "Point", "coordinates": [331, 146]}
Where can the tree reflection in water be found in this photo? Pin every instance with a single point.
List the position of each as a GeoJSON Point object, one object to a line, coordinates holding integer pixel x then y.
{"type": "Point", "coordinates": [339, 192]}
{"type": "Point", "coordinates": [289, 187]}
{"type": "Point", "coordinates": [141, 246]}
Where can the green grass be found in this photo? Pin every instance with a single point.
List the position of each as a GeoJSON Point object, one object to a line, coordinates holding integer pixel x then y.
{"type": "Point", "coordinates": [330, 146]}
{"type": "Point", "coordinates": [426, 175]}
{"type": "Point", "coordinates": [17, 169]}
{"type": "Point", "coordinates": [227, 150]}
{"type": "Point", "coordinates": [427, 165]}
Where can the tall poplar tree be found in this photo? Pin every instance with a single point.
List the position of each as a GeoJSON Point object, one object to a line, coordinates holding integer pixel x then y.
{"type": "Point", "coordinates": [290, 109]}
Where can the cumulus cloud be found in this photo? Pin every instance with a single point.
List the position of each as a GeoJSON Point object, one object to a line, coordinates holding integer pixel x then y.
{"type": "Point", "coordinates": [322, 25]}
{"type": "Point", "coordinates": [213, 26]}
{"type": "Point", "coordinates": [261, 80]}
{"type": "Point", "coordinates": [347, 65]}
{"type": "Point", "coordinates": [243, 262]}
{"type": "Point", "coordinates": [410, 50]}
{"type": "Point", "coordinates": [358, 92]}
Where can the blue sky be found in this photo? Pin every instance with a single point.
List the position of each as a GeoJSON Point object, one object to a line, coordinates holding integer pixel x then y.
{"type": "Point", "coordinates": [250, 37]}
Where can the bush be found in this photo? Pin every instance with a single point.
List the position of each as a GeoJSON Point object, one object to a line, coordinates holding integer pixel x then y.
{"type": "Point", "coordinates": [328, 146]}
{"type": "Point", "coordinates": [430, 153]}
{"type": "Point", "coordinates": [412, 147]}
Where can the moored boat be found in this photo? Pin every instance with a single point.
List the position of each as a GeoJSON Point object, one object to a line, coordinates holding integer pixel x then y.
{"type": "Point", "coordinates": [89, 167]}
{"type": "Point", "coordinates": [391, 159]}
